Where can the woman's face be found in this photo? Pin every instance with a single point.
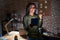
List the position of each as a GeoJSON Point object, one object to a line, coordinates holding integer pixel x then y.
{"type": "Point", "coordinates": [32, 9]}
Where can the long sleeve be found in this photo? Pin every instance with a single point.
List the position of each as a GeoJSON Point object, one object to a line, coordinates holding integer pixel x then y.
{"type": "Point", "coordinates": [40, 22]}
{"type": "Point", "coordinates": [25, 23]}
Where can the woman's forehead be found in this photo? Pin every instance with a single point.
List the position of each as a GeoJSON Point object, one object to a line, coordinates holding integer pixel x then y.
{"type": "Point", "coordinates": [32, 5]}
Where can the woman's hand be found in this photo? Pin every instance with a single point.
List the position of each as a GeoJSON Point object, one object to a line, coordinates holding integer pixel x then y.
{"type": "Point", "coordinates": [31, 25]}
{"type": "Point", "coordinates": [41, 16]}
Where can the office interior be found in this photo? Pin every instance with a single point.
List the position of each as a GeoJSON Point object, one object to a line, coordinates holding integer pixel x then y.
{"type": "Point", "coordinates": [17, 8]}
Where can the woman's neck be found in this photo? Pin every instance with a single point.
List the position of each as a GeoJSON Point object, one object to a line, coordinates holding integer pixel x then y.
{"type": "Point", "coordinates": [32, 14]}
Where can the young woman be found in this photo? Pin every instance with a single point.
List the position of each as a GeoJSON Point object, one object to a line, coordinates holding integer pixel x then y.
{"type": "Point", "coordinates": [32, 22]}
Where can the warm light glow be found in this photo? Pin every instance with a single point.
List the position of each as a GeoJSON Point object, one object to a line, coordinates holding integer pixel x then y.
{"type": "Point", "coordinates": [45, 6]}
{"type": "Point", "coordinates": [45, 1]}
{"type": "Point", "coordinates": [41, 5]}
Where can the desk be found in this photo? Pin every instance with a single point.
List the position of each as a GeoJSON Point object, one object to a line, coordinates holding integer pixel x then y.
{"type": "Point", "coordinates": [11, 37]}
{"type": "Point", "coordinates": [22, 31]}
{"type": "Point", "coordinates": [51, 37]}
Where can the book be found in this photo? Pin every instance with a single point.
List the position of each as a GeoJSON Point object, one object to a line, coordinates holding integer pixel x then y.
{"type": "Point", "coordinates": [34, 21]}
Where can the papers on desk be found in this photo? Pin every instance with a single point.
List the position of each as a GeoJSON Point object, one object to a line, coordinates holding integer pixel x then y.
{"type": "Point", "coordinates": [45, 34]}
{"type": "Point", "coordinates": [17, 34]}
{"type": "Point", "coordinates": [11, 36]}
{"type": "Point", "coordinates": [48, 34]}
{"type": "Point", "coordinates": [13, 32]}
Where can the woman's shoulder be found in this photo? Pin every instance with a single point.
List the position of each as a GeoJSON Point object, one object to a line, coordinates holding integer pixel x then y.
{"type": "Point", "coordinates": [26, 16]}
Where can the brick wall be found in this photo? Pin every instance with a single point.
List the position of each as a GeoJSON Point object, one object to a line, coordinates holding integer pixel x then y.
{"type": "Point", "coordinates": [52, 23]}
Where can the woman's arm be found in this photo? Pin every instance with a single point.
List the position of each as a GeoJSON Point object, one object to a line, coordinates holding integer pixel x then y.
{"type": "Point", "coordinates": [40, 29]}
{"type": "Point", "coordinates": [25, 22]}
{"type": "Point", "coordinates": [40, 20]}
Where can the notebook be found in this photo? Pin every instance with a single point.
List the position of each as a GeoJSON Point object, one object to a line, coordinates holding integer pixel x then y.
{"type": "Point", "coordinates": [34, 21]}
